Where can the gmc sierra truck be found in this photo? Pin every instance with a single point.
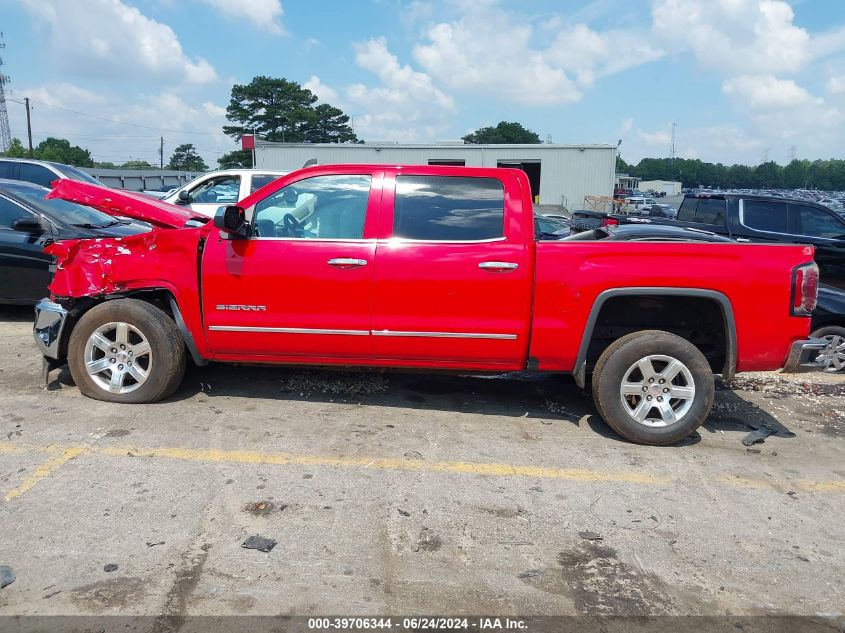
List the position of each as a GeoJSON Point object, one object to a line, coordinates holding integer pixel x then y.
{"type": "Point", "coordinates": [433, 268]}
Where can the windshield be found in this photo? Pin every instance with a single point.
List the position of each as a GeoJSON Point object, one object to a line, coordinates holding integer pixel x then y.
{"type": "Point", "coordinates": [76, 174]}
{"type": "Point", "coordinates": [62, 210]}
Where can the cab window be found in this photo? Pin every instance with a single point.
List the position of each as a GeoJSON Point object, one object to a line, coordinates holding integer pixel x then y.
{"type": "Point", "coordinates": [217, 190]}
{"type": "Point", "coordinates": [322, 207]}
{"type": "Point", "coordinates": [814, 222]}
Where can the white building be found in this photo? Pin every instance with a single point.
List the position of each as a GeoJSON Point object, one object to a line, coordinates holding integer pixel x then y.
{"type": "Point", "coordinates": [669, 187]}
{"type": "Point", "coordinates": [559, 174]}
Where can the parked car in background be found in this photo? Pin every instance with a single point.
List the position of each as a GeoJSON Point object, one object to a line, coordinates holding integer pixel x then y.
{"type": "Point", "coordinates": [829, 323]}
{"type": "Point", "coordinates": [551, 228]}
{"type": "Point", "coordinates": [209, 192]}
{"type": "Point", "coordinates": [425, 267]}
{"type": "Point", "coordinates": [28, 223]}
{"type": "Point", "coordinates": [662, 211]}
{"type": "Point", "coordinates": [41, 172]}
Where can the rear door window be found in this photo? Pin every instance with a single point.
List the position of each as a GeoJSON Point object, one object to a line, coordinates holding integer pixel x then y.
{"type": "Point", "coordinates": [259, 180]}
{"type": "Point", "coordinates": [765, 215]}
{"type": "Point", "coordinates": [814, 222]}
{"type": "Point", "coordinates": [449, 208]}
{"type": "Point", "coordinates": [703, 210]}
{"type": "Point", "coordinates": [37, 174]}
{"type": "Point", "coordinates": [7, 169]}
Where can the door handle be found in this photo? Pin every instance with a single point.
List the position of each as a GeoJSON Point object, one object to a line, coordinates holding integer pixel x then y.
{"type": "Point", "coordinates": [346, 262]}
{"type": "Point", "coordinates": [498, 267]}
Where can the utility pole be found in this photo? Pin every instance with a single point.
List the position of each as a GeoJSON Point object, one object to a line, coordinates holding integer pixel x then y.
{"type": "Point", "coordinates": [5, 133]}
{"type": "Point", "coordinates": [672, 147]}
{"type": "Point", "coordinates": [28, 124]}
{"type": "Point", "coordinates": [161, 153]}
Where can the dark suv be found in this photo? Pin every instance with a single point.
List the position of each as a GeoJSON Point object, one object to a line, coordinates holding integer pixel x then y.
{"type": "Point", "coordinates": [41, 172]}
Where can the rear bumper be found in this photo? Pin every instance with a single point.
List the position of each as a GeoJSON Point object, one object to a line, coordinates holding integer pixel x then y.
{"type": "Point", "coordinates": [803, 354]}
{"type": "Point", "coordinates": [50, 319]}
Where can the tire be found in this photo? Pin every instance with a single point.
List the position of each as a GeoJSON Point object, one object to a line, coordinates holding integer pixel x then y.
{"type": "Point", "coordinates": [668, 421]}
{"type": "Point", "coordinates": [835, 354]}
{"type": "Point", "coordinates": [151, 362]}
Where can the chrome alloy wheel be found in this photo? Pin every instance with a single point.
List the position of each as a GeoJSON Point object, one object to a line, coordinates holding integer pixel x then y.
{"type": "Point", "coordinates": [833, 356]}
{"type": "Point", "coordinates": [657, 390]}
{"type": "Point", "coordinates": [118, 357]}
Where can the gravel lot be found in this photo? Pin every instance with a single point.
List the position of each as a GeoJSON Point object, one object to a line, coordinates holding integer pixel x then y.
{"type": "Point", "coordinates": [404, 493]}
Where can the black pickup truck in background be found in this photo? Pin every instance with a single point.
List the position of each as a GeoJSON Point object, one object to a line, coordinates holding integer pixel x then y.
{"type": "Point", "coordinates": [750, 218]}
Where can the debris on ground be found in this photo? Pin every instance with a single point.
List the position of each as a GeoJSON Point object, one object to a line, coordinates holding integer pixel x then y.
{"type": "Point", "coordinates": [110, 567]}
{"type": "Point", "coordinates": [590, 536]}
{"type": "Point", "coordinates": [262, 508]}
{"type": "Point", "coordinates": [531, 573]}
{"type": "Point", "coordinates": [413, 454]}
{"type": "Point", "coordinates": [428, 541]}
{"type": "Point", "coordinates": [753, 450]}
{"type": "Point", "coordinates": [762, 431]}
{"type": "Point", "coordinates": [307, 383]}
{"type": "Point", "coordinates": [404, 513]}
{"type": "Point", "coordinates": [259, 542]}
{"type": "Point", "coordinates": [154, 544]}
{"type": "Point", "coordinates": [7, 576]}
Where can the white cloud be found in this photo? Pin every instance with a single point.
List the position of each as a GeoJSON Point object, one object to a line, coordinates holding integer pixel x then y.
{"type": "Point", "coordinates": [405, 106]}
{"type": "Point", "coordinates": [659, 138]}
{"type": "Point", "coordinates": [107, 38]}
{"type": "Point", "coordinates": [836, 85]}
{"type": "Point", "coordinates": [741, 36]}
{"type": "Point", "coordinates": [491, 50]}
{"type": "Point", "coordinates": [768, 93]}
{"type": "Point", "coordinates": [263, 14]}
{"type": "Point", "coordinates": [488, 51]}
{"type": "Point", "coordinates": [118, 128]}
{"type": "Point", "coordinates": [324, 93]}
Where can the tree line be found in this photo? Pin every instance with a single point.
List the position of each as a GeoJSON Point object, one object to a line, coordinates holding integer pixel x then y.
{"type": "Point", "coordinates": [59, 150]}
{"type": "Point", "coordinates": [827, 175]}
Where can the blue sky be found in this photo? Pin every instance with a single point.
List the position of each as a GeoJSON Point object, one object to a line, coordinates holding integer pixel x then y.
{"type": "Point", "coordinates": [743, 79]}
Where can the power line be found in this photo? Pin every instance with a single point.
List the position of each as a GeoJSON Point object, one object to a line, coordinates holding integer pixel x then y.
{"type": "Point", "coordinates": [117, 122]}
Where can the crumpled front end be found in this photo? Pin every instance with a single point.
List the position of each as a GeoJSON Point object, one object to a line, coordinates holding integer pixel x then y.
{"type": "Point", "coordinates": [87, 268]}
{"type": "Point", "coordinates": [126, 204]}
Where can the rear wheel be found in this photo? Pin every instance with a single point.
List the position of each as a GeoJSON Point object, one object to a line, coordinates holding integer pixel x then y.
{"type": "Point", "coordinates": [833, 356]}
{"type": "Point", "coordinates": [653, 387]}
{"type": "Point", "coordinates": [126, 351]}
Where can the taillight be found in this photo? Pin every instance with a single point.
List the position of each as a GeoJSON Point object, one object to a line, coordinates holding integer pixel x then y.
{"type": "Point", "coordinates": [805, 289]}
{"type": "Point", "coordinates": [609, 222]}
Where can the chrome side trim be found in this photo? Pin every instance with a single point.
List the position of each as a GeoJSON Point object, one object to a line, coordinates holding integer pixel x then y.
{"type": "Point", "coordinates": [502, 337]}
{"type": "Point", "coordinates": [498, 266]}
{"type": "Point", "coordinates": [286, 330]}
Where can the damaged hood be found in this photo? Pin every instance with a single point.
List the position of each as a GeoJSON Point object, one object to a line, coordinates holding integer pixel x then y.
{"type": "Point", "coordinates": [125, 204]}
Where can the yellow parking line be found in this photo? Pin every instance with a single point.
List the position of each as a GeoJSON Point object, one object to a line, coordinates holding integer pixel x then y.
{"type": "Point", "coordinates": [44, 470]}
{"type": "Point", "coordinates": [381, 463]}
{"type": "Point", "coordinates": [388, 463]}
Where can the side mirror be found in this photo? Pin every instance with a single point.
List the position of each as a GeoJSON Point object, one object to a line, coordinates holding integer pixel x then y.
{"type": "Point", "coordinates": [184, 197]}
{"type": "Point", "coordinates": [27, 225]}
{"type": "Point", "coordinates": [231, 220]}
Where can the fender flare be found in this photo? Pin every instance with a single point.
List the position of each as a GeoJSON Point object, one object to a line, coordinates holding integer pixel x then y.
{"type": "Point", "coordinates": [729, 370]}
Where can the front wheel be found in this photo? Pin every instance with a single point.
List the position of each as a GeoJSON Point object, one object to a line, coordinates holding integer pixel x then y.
{"type": "Point", "coordinates": [126, 351]}
{"type": "Point", "coordinates": [833, 356]}
{"type": "Point", "coordinates": [653, 387]}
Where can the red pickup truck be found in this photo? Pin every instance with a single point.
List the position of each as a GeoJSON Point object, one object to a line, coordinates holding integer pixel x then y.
{"type": "Point", "coordinates": [435, 268]}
